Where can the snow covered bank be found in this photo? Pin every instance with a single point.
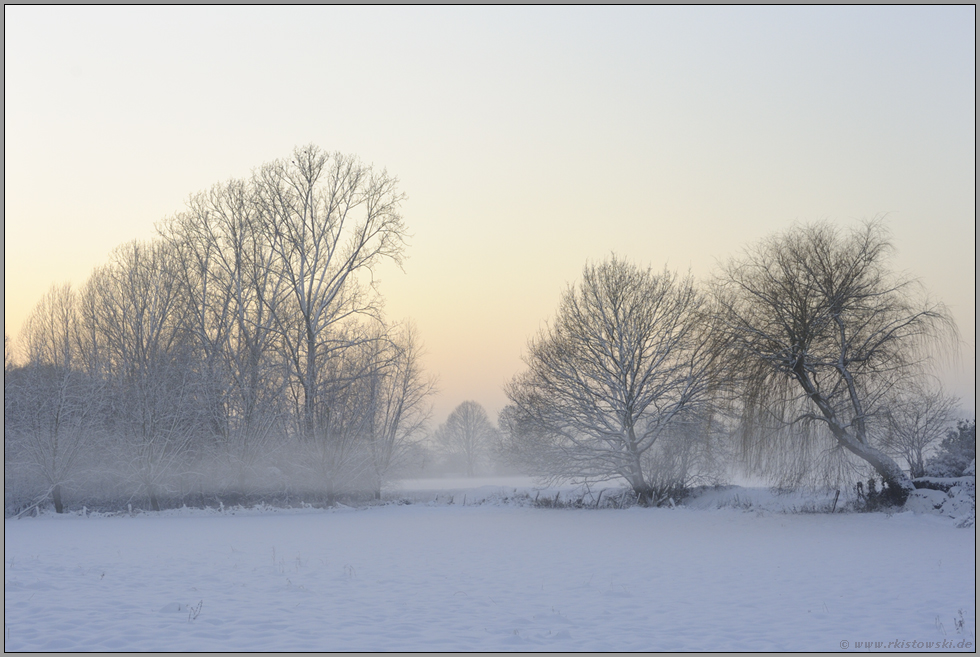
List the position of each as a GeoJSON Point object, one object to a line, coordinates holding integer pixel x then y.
{"type": "Point", "coordinates": [491, 577]}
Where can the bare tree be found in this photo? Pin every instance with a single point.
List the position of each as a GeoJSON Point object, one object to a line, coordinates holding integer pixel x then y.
{"type": "Point", "coordinates": [232, 291]}
{"type": "Point", "coordinates": [327, 218]}
{"type": "Point", "coordinates": [628, 354]}
{"type": "Point", "coordinates": [466, 436]}
{"type": "Point", "coordinates": [917, 418]}
{"type": "Point", "coordinates": [54, 402]}
{"type": "Point", "coordinates": [9, 487]}
{"type": "Point", "coordinates": [8, 368]}
{"type": "Point", "coordinates": [254, 321]}
{"type": "Point", "coordinates": [820, 332]}
{"type": "Point", "coordinates": [8, 355]}
{"type": "Point", "coordinates": [693, 452]}
{"type": "Point", "coordinates": [139, 320]}
{"type": "Point", "coordinates": [398, 402]}
{"type": "Point", "coordinates": [344, 415]}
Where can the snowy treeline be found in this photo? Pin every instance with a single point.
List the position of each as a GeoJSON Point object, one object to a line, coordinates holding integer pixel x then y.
{"type": "Point", "coordinates": [244, 349]}
{"type": "Point", "coordinates": [805, 359]}
{"type": "Point", "coordinates": [244, 352]}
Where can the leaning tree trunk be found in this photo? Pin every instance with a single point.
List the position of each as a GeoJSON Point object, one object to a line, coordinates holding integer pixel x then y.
{"type": "Point", "coordinates": [899, 484]}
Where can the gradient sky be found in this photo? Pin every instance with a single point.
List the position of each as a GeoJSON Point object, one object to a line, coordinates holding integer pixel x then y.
{"type": "Point", "coordinates": [528, 141]}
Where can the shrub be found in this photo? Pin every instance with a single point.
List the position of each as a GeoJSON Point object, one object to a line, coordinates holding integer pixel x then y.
{"type": "Point", "coordinates": [956, 452]}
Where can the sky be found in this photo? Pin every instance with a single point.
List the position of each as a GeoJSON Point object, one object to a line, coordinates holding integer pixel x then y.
{"type": "Point", "coordinates": [528, 141]}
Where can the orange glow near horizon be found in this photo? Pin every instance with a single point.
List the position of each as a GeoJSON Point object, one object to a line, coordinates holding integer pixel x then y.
{"type": "Point", "coordinates": [528, 141]}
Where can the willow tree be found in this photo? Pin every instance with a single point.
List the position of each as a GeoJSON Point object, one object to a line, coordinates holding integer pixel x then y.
{"type": "Point", "coordinates": [820, 331]}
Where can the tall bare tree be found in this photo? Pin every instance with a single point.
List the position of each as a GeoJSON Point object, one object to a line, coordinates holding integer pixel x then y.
{"type": "Point", "coordinates": [327, 218]}
{"type": "Point", "coordinates": [232, 290]}
{"type": "Point", "coordinates": [254, 320]}
{"type": "Point", "coordinates": [628, 355]}
{"type": "Point", "coordinates": [138, 315]}
{"type": "Point", "coordinates": [821, 330]}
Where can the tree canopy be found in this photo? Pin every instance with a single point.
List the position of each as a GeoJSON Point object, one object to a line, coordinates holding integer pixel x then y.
{"type": "Point", "coordinates": [821, 330]}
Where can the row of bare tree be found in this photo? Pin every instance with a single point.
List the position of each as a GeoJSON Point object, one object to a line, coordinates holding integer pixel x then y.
{"type": "Point", "coordinates": [250, 326]}
{"type": "Point", "coordinates": [248, 340]}
{"type": "Point", "coordinates": [806, 348]}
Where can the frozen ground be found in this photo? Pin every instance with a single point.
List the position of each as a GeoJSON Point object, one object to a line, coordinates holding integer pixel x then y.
{"type": "Point", "coordinates": [431, 576]}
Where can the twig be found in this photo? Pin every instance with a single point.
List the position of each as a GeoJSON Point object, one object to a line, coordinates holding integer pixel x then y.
{"type": "Point", "coordinates": [38, 501]}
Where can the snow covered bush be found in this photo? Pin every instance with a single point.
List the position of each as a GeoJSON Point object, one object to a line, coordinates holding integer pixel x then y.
{"type": "Point", "coordinates": [952, 497]}
{"type": "Point", "coordinates": [956, 453]}
{"type": "Point", "coordinates": [925, 500]}
{"type": "Point", "coordinates": [950, 488]}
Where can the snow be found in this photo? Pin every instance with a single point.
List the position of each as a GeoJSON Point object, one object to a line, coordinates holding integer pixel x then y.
{"type": "Point", "coordinates": [492, 575]}
{"type": "Point", "coordinates": [925, 500]}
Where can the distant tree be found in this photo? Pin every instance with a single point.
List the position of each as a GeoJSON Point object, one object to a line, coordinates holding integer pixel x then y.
{"type": "Point", "coordinates": [915, 420]}
{"type": "Point", "coordinates": [628, 358]}
{"type": "Point", "coordinates": [8, 368]}
{"type": "Point", "coordinates": [376, 407]}
{"type": "Point", "coordinates": [956, 452]}
{"type": "Point", "coordinates": [8, 355]}
{"type": "Point", "coordinates": [820, 330]}
{"type": "Point", "coordinates": [54, 401]}
{"type": "Point", "coordinates": [466, 436]}
{"type": "Point", "coordinates": [693, 452]}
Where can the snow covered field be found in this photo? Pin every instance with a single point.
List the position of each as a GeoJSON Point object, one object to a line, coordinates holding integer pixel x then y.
{"type": "Point", "coordinates": [496, 576]}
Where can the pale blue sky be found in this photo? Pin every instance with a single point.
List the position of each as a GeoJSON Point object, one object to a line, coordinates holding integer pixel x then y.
{"type": "Point", "coordinates": [528, 140]}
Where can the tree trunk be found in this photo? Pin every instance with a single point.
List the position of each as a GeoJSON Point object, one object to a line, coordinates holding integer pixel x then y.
{"type": "Point", "coordinates": [899, 484]}
{"type": "Point", "coordinates": [56, 496]}
{"type": "Point", "coordinates": [644, 493]}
